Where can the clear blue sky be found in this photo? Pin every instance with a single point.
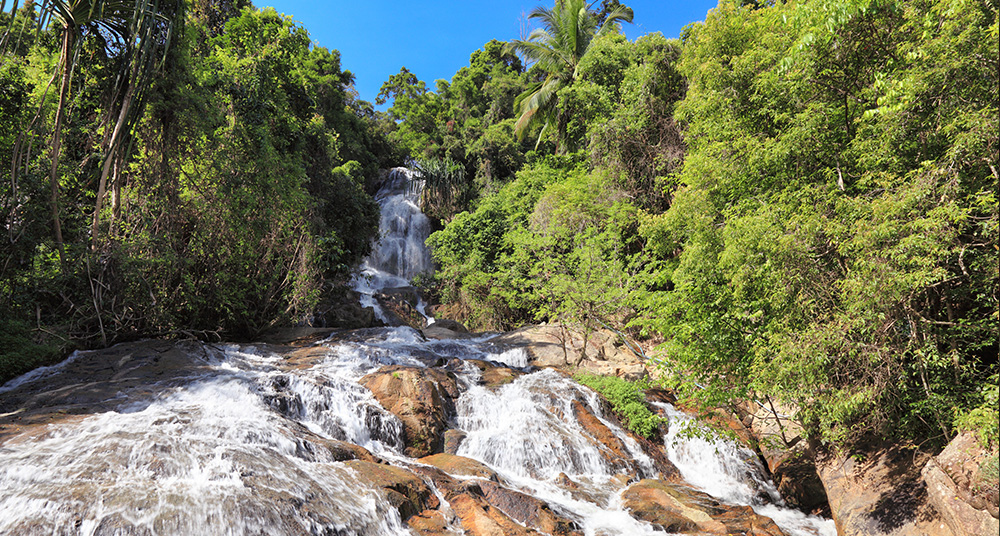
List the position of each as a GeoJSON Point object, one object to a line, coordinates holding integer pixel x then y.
{"type": "Point", "coordinates": [433, 39]}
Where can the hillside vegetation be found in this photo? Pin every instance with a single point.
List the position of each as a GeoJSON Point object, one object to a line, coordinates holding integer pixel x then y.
{"type": "Point", "coordinates": [797, 199]}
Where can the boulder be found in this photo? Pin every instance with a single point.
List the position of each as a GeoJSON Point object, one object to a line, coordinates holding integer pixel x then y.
{"type": "Point", "coordinates": [403, 489]}
{"type": "Point", "coordinates": [480, 519]}
{"type": "Point", "coordinates": [965, 497]}
{"type": "Point", "coordinates": [451, 325]}
{"type": "Point", "coordinates": [880, 491]}
{"type": "Point", "coordinates": [341, 308]}
{"type": "Point", "coordinates": [781, 443]}
{"type": "Point", "coordinates": [556, 345]}
{"type": "Point", "coordinates": [491, 375]}
{"type": "Point", "coordinates": [453, 440]}
{"type": "Point", "coordinates": [399, 305]}
{"type": "Point", "coordinates": [680, 509]}
{"type": "Point", "coordinates": [438, 331]}
{"type": "Point", "coordinates": [422, 398]}
{"type": "Point", "coordinates": [611, 447]}
{"type": "Point", "coordinates": [527, 510]}
{"type": "Point", "coordinates": [459, 465]}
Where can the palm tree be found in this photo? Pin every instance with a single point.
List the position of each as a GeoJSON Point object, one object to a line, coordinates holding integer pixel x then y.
{"type": "Point", "coordinates": [75, 16]}
{"type": "Point", "coordinates": [557, 47]}
{"type": "Point", "coordinates": [139, 27]}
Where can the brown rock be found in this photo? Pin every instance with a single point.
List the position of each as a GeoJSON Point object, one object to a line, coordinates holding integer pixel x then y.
{"type": "Point", "coordinates": [422, 398]}
{"type": "Point", "coordinates": [459, 465]}
{"type": "Point", "coordinates": [452, 440]}
{"type": "Point", "coordinates": [678, 508]}
{"type": "Point", "coordinates": [879, 491]}
{"type": "Point", "coordinates": [493, 375]}
{"type": "Point", "coordinates": [657, 503]}
{"type": "Point", "coordinates": [527, 510]}
{"type": "Point", "coordinates": [429, 523]}
{"type": "Point", "coordinates": [341, 308]}
{"type": "Point", "coordinates": [406, 491]}
{"type": "Point", "coordinates": [556, 345]}
{"type": "Point", "coordinates": [613, 449]}
{"type": "Point", "coordinates": [481, 519]}
{"type": "Point", "coordinates": [451, 325]}
{"type": "Point", "coordinates": [400, 307]}
{"type": "Point", "coordinates": [966, 500]}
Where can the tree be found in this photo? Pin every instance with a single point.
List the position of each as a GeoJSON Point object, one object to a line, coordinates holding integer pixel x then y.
{"type": "Point", "coordinates": [136, 31]}
{"type": "Point", "coordinates": [557, 48]}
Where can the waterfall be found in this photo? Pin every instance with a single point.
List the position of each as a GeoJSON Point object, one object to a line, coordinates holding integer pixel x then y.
{"type": "Point", "coordinates": [175, 438]}
{"type": "Point", "coordinates": [400, 253]}
{"type": "Point", "coordinates": [730, 472]}
{"type": "Point", "coordinates": [232, 440]}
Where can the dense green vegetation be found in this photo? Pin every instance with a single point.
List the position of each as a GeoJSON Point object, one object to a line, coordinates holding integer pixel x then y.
{"type": "Point", "coordinates": [627, 400]}
{"type": "Point", "coordinates": [796, 199]}
{"type": "Point", "coordinates": [178, 168]}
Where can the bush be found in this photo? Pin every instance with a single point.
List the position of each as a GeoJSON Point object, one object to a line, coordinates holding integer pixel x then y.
{"type": "Point", "coordinates": [627, 400]}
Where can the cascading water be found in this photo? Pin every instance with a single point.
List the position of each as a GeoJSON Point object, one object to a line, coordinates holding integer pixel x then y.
{"type": "Point", "coordinates": [167, 438]}
{"type": "Point", "coordinates": [730, 472]}
{"type": "Point", "coordinates": [400, 253]}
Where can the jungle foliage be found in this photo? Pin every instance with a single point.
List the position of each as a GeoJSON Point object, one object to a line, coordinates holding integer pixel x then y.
{"type": "Point", "coordinates": [795, 199]}
{"type": "Point", "coordinates": [186, 168]}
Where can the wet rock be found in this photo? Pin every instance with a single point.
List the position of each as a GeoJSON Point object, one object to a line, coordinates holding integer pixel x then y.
{"type": "Point", "coordinates": [404, 490]}
{"type": "Point", "coordinates": [528, 510]}
{"type": "Point", "coordinates": [341, 308]}
{"type": "Point", "coordinates": [680, 509]}
{"type": "Point", "coordinates": [459, 465]}
{"type": "Point", "coordinates": [612, 448]}
{"type": "Point", "coordinates": [880, 491]}
{"type": "Point", "coordinates": [452, 440]}
{"type": "Point", "coordinates": [399, 305]}
{"type": "Point", "coordinates": [481, 519]}
{"type": "Point", "coordinates": [493, 375]}
{"type": "Point", "coordinates": [342, 451]}
{"type": "Point", "coordinates": [422, 398]}
{"type": "Point", "coordinates": [966, 499]}
{"type": "Point", "coordinates": [439, 331]}
{"type": "Point", "coordinates": [430, 523]}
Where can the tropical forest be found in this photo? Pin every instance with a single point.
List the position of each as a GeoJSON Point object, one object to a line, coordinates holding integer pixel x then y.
{"type": "Point", "coordinates": [742, 280]}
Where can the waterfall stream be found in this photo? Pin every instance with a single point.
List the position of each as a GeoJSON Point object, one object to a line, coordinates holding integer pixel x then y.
{"type": "Point", "coordinates": [167, 438]}
{"type": "Point", "coordinates": [399, 254]}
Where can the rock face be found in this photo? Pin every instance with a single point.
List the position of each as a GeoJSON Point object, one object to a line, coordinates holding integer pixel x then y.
{"type": "Point", "coordinates": [341, 308]}
{"type": "Point", "coordinates": [555, 345]}
{"type": "Point", "coordinates": [880, 493]}
{"type": "Point", "coordinates": [786, 451]}
{"type": "Point", "coordinates": [404, 490]}
{"type": "Point", "coordinates": [422, 398]}
{"type": "Point", "coordinates": [680, 509]}
{"type": "Point", "coordinates": [965, 497]}
{"type": "Point", "coordinates": [400, 306]}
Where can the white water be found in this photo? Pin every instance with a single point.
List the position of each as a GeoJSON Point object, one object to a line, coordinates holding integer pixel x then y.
{"type": "Point", "coordinates": [236, 445]}
{"type": "Point", "coordinates": [400, 254]}
{"type": "Point", "coordinates": [731, 473]}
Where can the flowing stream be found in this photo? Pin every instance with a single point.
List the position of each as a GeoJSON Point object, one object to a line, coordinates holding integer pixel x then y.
{"type": "Point", "coordinates": [399, 255]}
{"type": "Point", "coordinates": [166, 438]}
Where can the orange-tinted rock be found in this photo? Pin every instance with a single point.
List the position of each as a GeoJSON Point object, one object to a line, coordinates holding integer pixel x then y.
{"type": "Point", "coordinates": [680, 509]}
{"type": "Point", "coordinates": [403, 489]}
{"type": "Point", "coordinates": [459, 465]}
{"type": "Point", "coordinates": [422, 398]}
{"type": "Point", "coordinates": [429, 523]}
{"type": "Point", "coordinates": [481, 519]}
{"type": "Point", "coordinates": [527, 510]}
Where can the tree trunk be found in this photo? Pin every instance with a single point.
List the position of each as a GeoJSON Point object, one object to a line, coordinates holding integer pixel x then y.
{"type": "Point", "coordinates": [109, 159]}
{"type": "Point", "coordinates": [67, 46]}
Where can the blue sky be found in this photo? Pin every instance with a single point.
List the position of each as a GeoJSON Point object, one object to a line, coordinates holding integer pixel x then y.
{"type": "Point", "coordinates": [434, 39]}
